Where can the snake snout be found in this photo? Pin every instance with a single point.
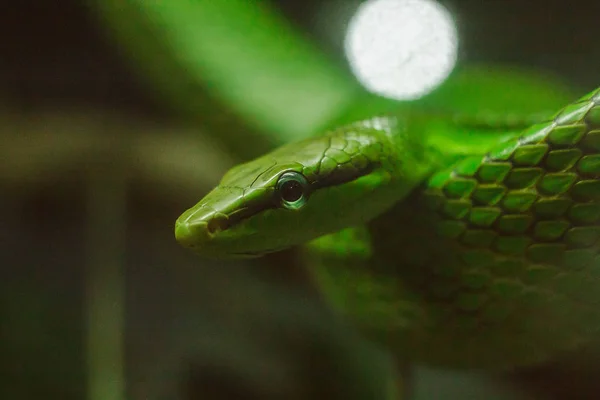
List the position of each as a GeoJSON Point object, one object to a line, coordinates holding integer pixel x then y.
{"type": "Point", "coordinates": [196, 227]}
{"type": "Point", "coordinates": [191, 234]}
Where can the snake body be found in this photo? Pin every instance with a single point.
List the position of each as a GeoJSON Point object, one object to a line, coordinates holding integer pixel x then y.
{"type": "Point", "coordinates": [454, 244]}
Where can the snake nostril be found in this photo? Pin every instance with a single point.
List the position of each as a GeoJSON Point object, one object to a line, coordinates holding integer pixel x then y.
{"type": "Point", "coordinates": [217, 224]}
{"type": "Point", "coordinates": [212, 226]}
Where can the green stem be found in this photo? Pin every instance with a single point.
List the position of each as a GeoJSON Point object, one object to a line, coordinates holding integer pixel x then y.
{"type": "Point", "coordinates": [106, 207]}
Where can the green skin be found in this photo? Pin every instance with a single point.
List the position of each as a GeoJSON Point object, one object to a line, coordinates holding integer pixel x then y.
{"type": "Point", "coordinates": [454, 243]}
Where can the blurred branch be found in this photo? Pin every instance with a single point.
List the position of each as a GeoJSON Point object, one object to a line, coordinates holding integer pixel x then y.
{"type": "Point", "coordinates": [45, 147]}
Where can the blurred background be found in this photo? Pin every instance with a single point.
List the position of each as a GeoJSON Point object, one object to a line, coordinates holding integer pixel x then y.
{"type": "Point", "coordinates": [118, 115]}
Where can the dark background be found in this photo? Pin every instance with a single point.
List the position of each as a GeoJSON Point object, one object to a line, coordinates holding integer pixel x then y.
{"type": "Point", "coordinates": [56, 58]}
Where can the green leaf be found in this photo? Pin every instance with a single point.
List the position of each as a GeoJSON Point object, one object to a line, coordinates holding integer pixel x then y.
{"type": "Point", "coordinates": [242, 54]}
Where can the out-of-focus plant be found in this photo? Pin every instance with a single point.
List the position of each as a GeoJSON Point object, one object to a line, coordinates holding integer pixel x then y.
{"type": "Point", "coordinates": [243, 71]}
{"type": "Point", "coordinates": [234, 65]}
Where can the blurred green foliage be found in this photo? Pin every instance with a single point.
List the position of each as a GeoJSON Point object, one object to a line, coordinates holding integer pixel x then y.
{"type": "Point", "coordinates": [220, 61]}
{"type": "Point", "coordinates": [242, 70]}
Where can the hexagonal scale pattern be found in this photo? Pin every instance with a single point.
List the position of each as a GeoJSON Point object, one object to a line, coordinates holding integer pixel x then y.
{"type": "Point", "coordinates": [523, 219]}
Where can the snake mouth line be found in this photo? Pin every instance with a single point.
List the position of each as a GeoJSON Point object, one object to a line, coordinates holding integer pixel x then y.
{"type": "Point", "coordinates": [259, 253]}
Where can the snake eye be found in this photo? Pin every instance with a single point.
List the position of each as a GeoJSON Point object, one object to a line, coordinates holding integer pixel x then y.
{"type": "Point", "coordinates": [292, 189]}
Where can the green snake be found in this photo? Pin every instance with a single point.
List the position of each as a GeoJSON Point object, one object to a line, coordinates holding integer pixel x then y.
{"type": "Point", "coordinates": [454, 242]}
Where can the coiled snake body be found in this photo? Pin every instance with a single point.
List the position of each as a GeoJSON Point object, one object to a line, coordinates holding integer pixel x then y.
{"type": "Point", "coordinates": [451, 245]}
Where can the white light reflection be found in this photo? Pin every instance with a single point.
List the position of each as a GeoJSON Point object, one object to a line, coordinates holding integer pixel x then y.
{"type": "Point", "coordinates": [401, 49]}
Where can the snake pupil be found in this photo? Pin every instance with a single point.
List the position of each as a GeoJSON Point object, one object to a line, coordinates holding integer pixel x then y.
{"type": "Point", "coordinates": [291, 191]}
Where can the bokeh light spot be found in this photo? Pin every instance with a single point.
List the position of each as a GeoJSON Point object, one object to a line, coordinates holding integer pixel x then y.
{"type": "Point", "coordinates": [401, 49]}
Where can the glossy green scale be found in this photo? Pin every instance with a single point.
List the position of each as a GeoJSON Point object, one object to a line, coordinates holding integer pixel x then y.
{"type": "Point", "coordinates": [500, 265]}
{"type": "Point", "coordinates": [453, 242]}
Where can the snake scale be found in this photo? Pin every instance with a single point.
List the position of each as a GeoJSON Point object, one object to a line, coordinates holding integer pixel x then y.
{"type": "Point", "coordinates": [453, 244]}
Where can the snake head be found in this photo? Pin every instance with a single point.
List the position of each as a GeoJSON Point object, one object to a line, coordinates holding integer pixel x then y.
{"type": "Point", "coordinates": [294, 194]}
